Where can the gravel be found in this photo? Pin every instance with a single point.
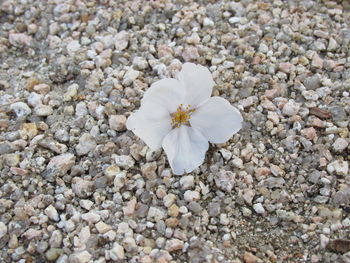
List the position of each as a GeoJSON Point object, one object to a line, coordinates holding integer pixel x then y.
{"type": "Point", "coordinates": [76, 186]}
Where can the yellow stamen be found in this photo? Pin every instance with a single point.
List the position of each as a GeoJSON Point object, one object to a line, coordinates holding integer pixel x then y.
{"type": "Point", "coordinates": [181, 116]}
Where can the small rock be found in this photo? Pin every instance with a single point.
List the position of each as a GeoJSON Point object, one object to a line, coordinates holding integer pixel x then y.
{"type": "Point", "coordinates": [91, 217]}
{"type": "Point", "coordinates": [248, 195]}
{"type": "Point", "coordinates": [224, 220]}
{"type": "Point", "coordinates": [263, 48]}
{"type": "Point", "coordinates": [53, 254]}
{"type": "Point", "coordinates": [29, 130]}
{"type": "Point", "coordinates": [34, 99]}
{"type": "Point", "coordinates": [124, 161]}
{"type": "Point", "coordinates": [21, 109]}
{"type": "Point", "coordinates": [73, 47]}
{"type": "Point", "coordinates": [174, 245]}
{"type": "Point", "coordinates": [291, 108]}
{"type": "Point", "coordinates": [140, 63]}
{"type": "Point", "coordinates": [80, 257]}
{"type": "Point", "coordinates": [50, 143]}
{"type": "Point", "coordinates": [117, 252]}
{"type": "Point", "coordinates": [86, 204]}
{"type": "Point", "coordinates": [11, 159]}
{"type": "Point", "coordinates": [187, 182]}
{"type": "Point", "coordinates": [84, 234]}
{"type": "Point", "coordinates": [156, 213]}
{"type": "Point", "coordinates": [207, 22]}
{"type": "Point", "coordinates": [86, 144]}
{"type": "Point", "coordinates": [340, 145]}
{"type": "Point", "coordinates": [286, 67]}
{"type": "Point", "coordinates": [190, 196]}
{"type": "Point", "coordinates": [250, 258]}
{"type": "Point", "coordinates": [32, 233]}
{"type": "Point", "coordinates": [312, 83]}
{"type": "Point", "coordinates": [169, 199]}
{"type": "Point", "coordinates": [332, 44]}
{"type": "Point", "coordinates": [190, 53]}
{"type": "Point", "coordinates": [56, 239]}
{"type": "Point", "coordinates": [339, 167]}
{"type": "Point", "coordinates": [3, 230]}
{"type": "Point", "coordinates": [130, 76]}
{"type": "Point", "coordinates": [129, 209]}
{"type": "Point", "coordinates": [117, 122]}
{"type": "Point", "coordinates": [42, 88]}
{"type": "Point", "coordinates": [63, 163]}
{"type": "Point", "coordinates": [43, 110]}
{"type": "Point", "coordinates": [6, 147]}
{"type": "Point", "coordinates": [317, 62]}
{"type": "Point", "coordinates": [121, 40]}
{"type": "Point", "coordinates": [259, 208]}
{"type": "Point", "coordinates": [82, 188]}
{"type": "Point", "coordinates": [20, 39]}
{"type": "Point", "coordinates": [225, 180]}
{"type": "Point", "coordinates": [102, 227]}
{"type": "Point", "coordinates": [214, 209]}
{"type": "Point", "coordinates": [51, 212]}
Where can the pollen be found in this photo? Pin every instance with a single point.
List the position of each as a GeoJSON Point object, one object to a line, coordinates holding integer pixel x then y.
{"type": "Point", "coordinates": [181, 116]}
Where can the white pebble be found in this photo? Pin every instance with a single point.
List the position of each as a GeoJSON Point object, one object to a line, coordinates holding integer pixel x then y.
{"type": "Point", "coordinates": [259, 208]}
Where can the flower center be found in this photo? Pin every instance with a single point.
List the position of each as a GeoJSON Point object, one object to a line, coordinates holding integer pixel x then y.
{"type": "Point", "coordinates": [181, 116]}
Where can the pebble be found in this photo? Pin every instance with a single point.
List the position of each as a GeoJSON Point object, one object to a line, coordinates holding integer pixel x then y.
{"type": "Point", "coordinates": [86, 144]}
{"type": "Point", "coordinates": [259, 208]}
{"type": "Point", "coordinates": [187, 182]}
{"type": "Point", "coordinates": [52, 213]}
{"type": "Point", "coordinates": [340, 145]}
{"type": "Point", "coordinates": [73, 47]}
{"type": "Point", "coordinates": [53, 254]}
{"type": "Point", "coordinates": [82, 188]}
{"type": "Point", "coordinates": [140, 63]}
{"type": "Point", "coordinates": [34, 99]}
{"type": "Point", "coordinates": [117, 252]}
{"type": "Point", "coordinates": [291, 108]}
{"type": "Point", "coordinates": [20, 40]}
{"type": "Point", "coordinates": [117, 122]}
{"type": "Point", "coordinates": [56, 239]}
{"type": "Point", "coordinates": [80, 257]}
{"type": "Point", "coordinates": [43, 110]}
{"type": "Point", "coordinates": [124, 161]}
{"type": "Point", "coordinates": [130, 76]}
{"type": "Point", "coordinates": [102, 227]}
{"type": "Point", "coordinates": [339, 167]}
{"type": "Point", "coordinates": [42, 88]}
{"type": "Point", "coordinates": [21, 109]}
{"type": "Point", "coordinates": [62, 163]}
{"type": "Point", "coordinates": [86, 204]}
{"type": "Point", "coordinates": [121, 40]}
{"type": "Point", "coordinates": [169, 199]}
{"type": "Point", "coordinates": [91, 217]}
{"type": "Point", "coordinates": [174, 245]}
{"type": "Point", "coordinates": [190, 196]}
{"type": "Point", "coordinates": [3, 230]}
{"type": "Point", "coordinates": [250, 258]}
{"type": "Point", "coordinates": [312, 83]}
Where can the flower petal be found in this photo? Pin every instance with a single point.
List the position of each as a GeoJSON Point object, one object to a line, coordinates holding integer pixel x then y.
{"type": "Point", "coordinates": [198, 82]}
{"type": "Point", "coordinates": [168, 93]}
{"type": "Point", "coordinates": [217, 120]}
{"type": "Point", "coordinates": [185, 148]}
{"type": "Point", "coordinates": [151, 123]}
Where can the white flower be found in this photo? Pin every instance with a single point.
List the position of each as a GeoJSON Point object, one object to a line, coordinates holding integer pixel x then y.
{"type": "Point", "coordinates": [180, 116]}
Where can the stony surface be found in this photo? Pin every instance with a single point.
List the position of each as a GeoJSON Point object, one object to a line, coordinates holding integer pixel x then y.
{"type": "Point", "coordinates": [76, 186]}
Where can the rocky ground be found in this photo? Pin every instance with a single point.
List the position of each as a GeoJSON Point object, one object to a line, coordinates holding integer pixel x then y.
{"type": "Point", "coordinates": [75, 186]}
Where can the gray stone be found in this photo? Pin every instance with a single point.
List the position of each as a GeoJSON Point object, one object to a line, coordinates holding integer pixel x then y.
{"type": "Point", "coordinates": [86, 144]}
